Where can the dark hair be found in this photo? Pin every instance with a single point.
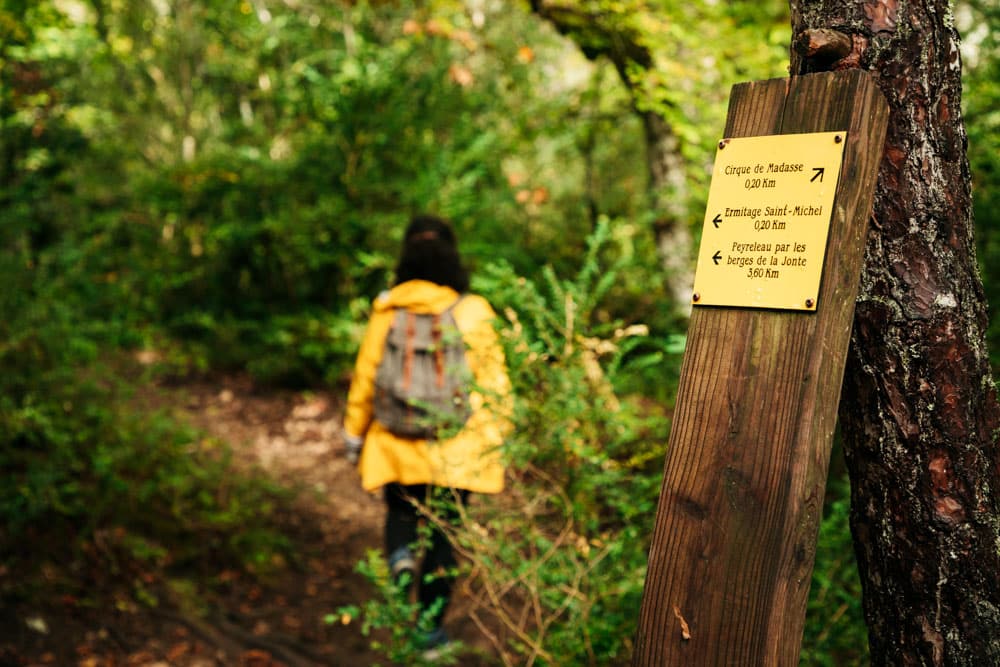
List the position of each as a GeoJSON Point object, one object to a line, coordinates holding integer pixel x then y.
{"type": "Point", "coordinates": [430, 252]}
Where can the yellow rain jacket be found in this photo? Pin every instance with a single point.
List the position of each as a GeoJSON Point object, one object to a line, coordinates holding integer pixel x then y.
{"type": "Point", "coordinates": [469, 460]}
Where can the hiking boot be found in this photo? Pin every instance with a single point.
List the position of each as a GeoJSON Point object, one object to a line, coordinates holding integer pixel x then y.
{"type": "Point", "coordinates": [402, 564]}
{"type": "Point", "coordinates": [436, 644]}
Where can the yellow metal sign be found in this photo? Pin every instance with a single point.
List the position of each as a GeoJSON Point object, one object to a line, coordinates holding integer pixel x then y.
{"type": "Point", "coordinates": [767, 219]}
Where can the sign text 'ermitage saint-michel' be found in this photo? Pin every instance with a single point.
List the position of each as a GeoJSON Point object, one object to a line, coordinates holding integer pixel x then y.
{"type": "Point", "coordinates": [767, 220]}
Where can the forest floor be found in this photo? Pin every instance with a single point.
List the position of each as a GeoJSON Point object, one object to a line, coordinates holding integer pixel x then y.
{"type": "Point", "coordinates": [283, 618]}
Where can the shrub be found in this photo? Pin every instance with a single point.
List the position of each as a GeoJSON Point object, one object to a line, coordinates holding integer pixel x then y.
{"type": "Point", "coordinates": [555, 565]}
{"type": "Point", "coordinates": [80, 464]}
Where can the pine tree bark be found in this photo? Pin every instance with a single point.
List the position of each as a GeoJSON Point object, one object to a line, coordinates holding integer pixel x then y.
{"type": "Point", "coordinates": [919, 412]}
{"type": "Point", "coordinates": [667, 186]}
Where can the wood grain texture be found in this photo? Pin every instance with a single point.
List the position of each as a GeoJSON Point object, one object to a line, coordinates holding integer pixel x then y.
{"type": "Point", "coordinates": [745, 474]}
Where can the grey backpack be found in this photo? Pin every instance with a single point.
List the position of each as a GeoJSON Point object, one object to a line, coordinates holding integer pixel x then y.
{"type": "Point", "coordinates": [422, 383]}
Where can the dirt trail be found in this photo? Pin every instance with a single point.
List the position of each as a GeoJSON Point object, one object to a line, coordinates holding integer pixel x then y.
{"type": "Point", "coordinates": [294, 437]}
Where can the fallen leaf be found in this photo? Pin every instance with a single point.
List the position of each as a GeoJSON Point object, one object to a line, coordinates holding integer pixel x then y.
{"type": "Point", "coordinates": [178, 650]}
{"type": "Point", "coordinates": [140, 659]}
{"type": "Point", "coordinates": [256, 658]}
{"type": "Point", "coordinates": [38, 624]}
{"type": "Point", "coordinates": [147, 357]}
{"type": "Point", "coordinates": [311, 409]}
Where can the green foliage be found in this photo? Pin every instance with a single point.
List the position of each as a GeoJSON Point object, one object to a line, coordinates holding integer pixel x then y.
{"type": "Point", "coordinates": [237, 181]}
{"type": "Point", "coordinates": [556, 563]}
{"type": "Point", "coordinates": [75, 455]}
{"type": "Point", "coordinates": [569, 539]}
{"type": "Point", "coordinates": [980, 24]}
{"type": "Point", "coordinates": [679, 60]}
{"type": "Point", "coordinates": [397, 626]}
{"type": "Point", "coordinates": [78, 462]}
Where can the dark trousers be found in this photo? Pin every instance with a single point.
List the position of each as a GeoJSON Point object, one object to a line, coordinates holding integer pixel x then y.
{"type": "Point", "coordinates": [402, 521]}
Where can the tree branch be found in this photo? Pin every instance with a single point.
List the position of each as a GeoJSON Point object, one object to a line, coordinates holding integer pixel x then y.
{"type": "Point", "coordinates": [823, 43]}
{"type": "Point", "coordinates": [825, 49]}
{"type": "Point", "coordinates": [595, 37]}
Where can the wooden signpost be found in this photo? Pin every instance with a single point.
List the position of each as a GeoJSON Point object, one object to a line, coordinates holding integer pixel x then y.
{"type": "Point", "coordinates": [733, 548]}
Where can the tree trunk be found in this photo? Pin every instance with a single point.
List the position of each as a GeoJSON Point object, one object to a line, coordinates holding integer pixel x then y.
{"type": "Point", "coordinates": [667, 185]}
{"type": "Point", "coordinates": [918, 412]}
{"type": "Point", "coordinates": [669, 193]}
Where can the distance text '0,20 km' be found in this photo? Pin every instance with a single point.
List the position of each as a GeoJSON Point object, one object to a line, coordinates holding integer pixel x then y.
{"type": "Point", "coordinates": [759, 180]}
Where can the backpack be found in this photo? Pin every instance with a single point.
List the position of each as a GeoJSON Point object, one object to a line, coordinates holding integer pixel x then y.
{"type": "Point", "coordinates": [422, 383]}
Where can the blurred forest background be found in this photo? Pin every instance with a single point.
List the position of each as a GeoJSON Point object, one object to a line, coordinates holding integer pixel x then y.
{"type": "Point", "coordinates": [191, 188]}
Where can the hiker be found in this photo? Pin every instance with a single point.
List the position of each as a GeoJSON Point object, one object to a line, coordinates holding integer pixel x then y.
{"type": "Point", "coordinates": [411, 460]}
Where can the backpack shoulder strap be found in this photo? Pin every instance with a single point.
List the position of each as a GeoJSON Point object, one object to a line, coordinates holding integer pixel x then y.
{"type": "Point", "coordinates": [454, 304]}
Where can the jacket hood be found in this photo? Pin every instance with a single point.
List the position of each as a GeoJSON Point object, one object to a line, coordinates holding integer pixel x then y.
{"type": "Point", "coordinates": [420, 296]}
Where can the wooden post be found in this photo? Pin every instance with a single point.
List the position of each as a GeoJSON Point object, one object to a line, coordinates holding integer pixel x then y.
{"type": "Point", "coordinates": [745, 474]}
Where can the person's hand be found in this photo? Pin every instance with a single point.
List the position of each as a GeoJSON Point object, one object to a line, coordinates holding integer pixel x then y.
{"type": "Point", "coordinates": [352, 444]}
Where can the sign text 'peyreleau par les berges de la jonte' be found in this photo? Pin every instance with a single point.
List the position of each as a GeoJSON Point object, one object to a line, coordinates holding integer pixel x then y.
{"type": "Point", "coordinates": [767, 220]}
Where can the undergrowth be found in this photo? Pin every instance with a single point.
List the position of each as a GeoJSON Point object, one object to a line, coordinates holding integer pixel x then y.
{"type": "Point", "coordinates": [554, 567]}
{"type": "Point", "coordinates": [91, 484]}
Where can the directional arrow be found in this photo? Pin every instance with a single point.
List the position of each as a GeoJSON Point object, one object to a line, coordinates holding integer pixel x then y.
{"type": "Point", "coordinates": [716, 257]}
{"type": "Point", "coordinates": [716, 220]}
{"type": "Point", "coordinates": [819, 174]}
